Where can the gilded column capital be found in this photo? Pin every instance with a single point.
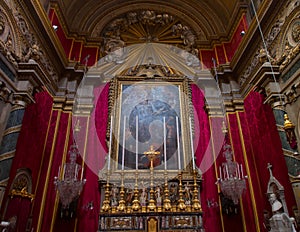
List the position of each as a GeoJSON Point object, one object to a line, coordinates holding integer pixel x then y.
{"type": "Point", "coordinates": [21, 99]}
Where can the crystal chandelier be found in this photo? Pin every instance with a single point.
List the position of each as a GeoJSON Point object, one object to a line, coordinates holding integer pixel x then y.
{"type": "Point", "coordinates": [232, 180]}
{"type": "Point", "coordinates": [70, 185]}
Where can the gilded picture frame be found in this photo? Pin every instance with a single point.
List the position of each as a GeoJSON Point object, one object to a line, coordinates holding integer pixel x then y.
{"type": "Point", "coordinates": [149, 112]}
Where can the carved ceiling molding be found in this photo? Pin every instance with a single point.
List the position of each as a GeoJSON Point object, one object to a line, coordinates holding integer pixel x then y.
{"type": "Point", "coordinates": [147, 26]}
{"type": "Point", "coordinates": [18, 43]}
{"type": "Point", "coordinates": [274, 41]}
{"type": "Point", "coordinates": [200, 21]}
{"type": "Point", "coordinates": [211, 22]}
{"type": "Point", "coordinates": [10, 39]}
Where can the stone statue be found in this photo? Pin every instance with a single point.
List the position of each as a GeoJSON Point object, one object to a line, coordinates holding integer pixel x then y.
{"type": "Point", "coordinates": [158, 196]}
{"type": "Point", "coordinates": [187, 194]}
{"type": "Point", "coordinates": [280, 221]}
{"type": "Point", "coordinates": [275, 203]}
{"type": "Point", "coordinates": [114, 196]}
{"type": "Point", "coordinates": [143, 197]}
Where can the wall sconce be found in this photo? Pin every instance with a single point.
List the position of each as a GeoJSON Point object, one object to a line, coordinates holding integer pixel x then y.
{"type": "Point", "coordinates": [88, 209]}
{"type": "Point", "coordinates": [290, 132]}
{"type": "Point", "coordinates": [89, 206]}
{"type": "Point", "coordinates": [211, 203]}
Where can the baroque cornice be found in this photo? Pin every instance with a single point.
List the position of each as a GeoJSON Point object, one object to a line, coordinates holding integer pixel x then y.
{"type": "Point", "coordinates": [245, 63]}
{"type": "Point", "coordinates": [251, 38]}
{"type": "Point", "coordinates": [51, 35]}
{"type": "Point", "coordinates": [30, 44]}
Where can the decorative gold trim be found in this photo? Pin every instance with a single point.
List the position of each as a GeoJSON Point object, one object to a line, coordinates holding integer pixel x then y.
{"type": "Point", "coordinates": [71, 49]}
{"type": "Point", "coordinates": [225, 53]}
{"type": "Point", "coordinates": [7, 155]}
{"type": "Point", "coordinates": [216, 53]}
{"type": "Point", "coordinates": [232, 147]}
{"type": "Point", "coordinates": [115, 108]}
{"type": "Point", "coordinates": [294, 178]}
{"type": "Point", "coordinates": [243, 215]}
{"type": "Point", "coordinates": [11, 130]}
{"type": "Point", "coordinates": [17, 107]}
{"type": "Point", "coordinates": [85, 145]}
{"type": "Point", "coordinates": [23, 194]}
{"type": "Point", "coordinates": [290, 154]}
{"type": "Point", "coordinates": [216, 171]}
{"type": "Point", "coordinates": [41, 216]}
{"type": "Point", "coordinates": [43, 154]}
{"type": "Point", "coordinates": [54, 214]}
{"type": "Point", "coordinates": [249, 174]}
{"type": "Point", "coordinates": [47, 25]}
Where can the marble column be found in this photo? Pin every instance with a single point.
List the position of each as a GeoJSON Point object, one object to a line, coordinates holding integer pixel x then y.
{"type": "Point", "coordinates": [9, 140]}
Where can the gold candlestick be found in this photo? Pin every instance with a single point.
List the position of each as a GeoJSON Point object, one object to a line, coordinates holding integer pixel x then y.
{"type": "Point", "coordinates": [122, 206]}
{"type": "Point", "coordinates": [106, 203]}
{"type": "Point", "coordinates": [181, 205]}
{"type": "Point", "coordinates": [167, 202]}
{"type": "Point", "coordinates": [136, 205]}
{"type": "Point", "coordinates": [196, 203]}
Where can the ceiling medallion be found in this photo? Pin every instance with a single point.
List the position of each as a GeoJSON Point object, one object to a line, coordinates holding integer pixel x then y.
{"type": "Point", "coordinates": [147, 26]}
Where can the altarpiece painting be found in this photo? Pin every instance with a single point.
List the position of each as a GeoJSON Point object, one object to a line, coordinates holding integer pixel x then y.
{"type": "Point", "coordinates": [150, 179]}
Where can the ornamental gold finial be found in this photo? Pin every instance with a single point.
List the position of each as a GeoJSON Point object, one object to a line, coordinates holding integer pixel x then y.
{"type": "Point", "coordinates": [287, 123]}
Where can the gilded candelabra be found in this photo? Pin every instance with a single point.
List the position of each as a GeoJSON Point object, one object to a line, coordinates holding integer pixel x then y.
{"type": "Point", "coordinates": [167, 202]}
{"type": "Point", "coordinates": [106, 203]}
{"type": "Point", "coordinates": [136, 205]}
{"type": "Point", "coordinates": [196, 203]}
{"type": "Point", "coordinates": [181, 205]}
{"type": "Point", "coordinates": [122, 206]}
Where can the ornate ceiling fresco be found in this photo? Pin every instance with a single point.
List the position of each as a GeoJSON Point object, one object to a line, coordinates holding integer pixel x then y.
{"type": "Point", "coordinates": [188, 23]}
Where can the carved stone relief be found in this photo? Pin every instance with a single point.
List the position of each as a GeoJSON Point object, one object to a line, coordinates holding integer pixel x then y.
{"type": "Point", "coordinates": [32, 48]}
{"type": "Point", "coordinates": [146, 26]}
{"type": "Point", "coordinates": [290, 46]}
{"type": "Point", "coordinates": [294, 32]}
{"type": "Point", "coordinates": [7, 39]}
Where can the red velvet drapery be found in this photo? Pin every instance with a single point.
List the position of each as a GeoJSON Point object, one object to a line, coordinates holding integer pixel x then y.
{"type": "Point", "coordinates": [94, 160]}
{"type": "Point", "coordinates": [253, 135]}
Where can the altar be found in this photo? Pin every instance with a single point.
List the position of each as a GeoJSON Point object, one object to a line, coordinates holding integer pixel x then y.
{"type": "Point", "coordinates": [150, 181]}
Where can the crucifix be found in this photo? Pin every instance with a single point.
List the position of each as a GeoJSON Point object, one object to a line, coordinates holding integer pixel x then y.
{"type": "Point", "coordinates": [151, 154]}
